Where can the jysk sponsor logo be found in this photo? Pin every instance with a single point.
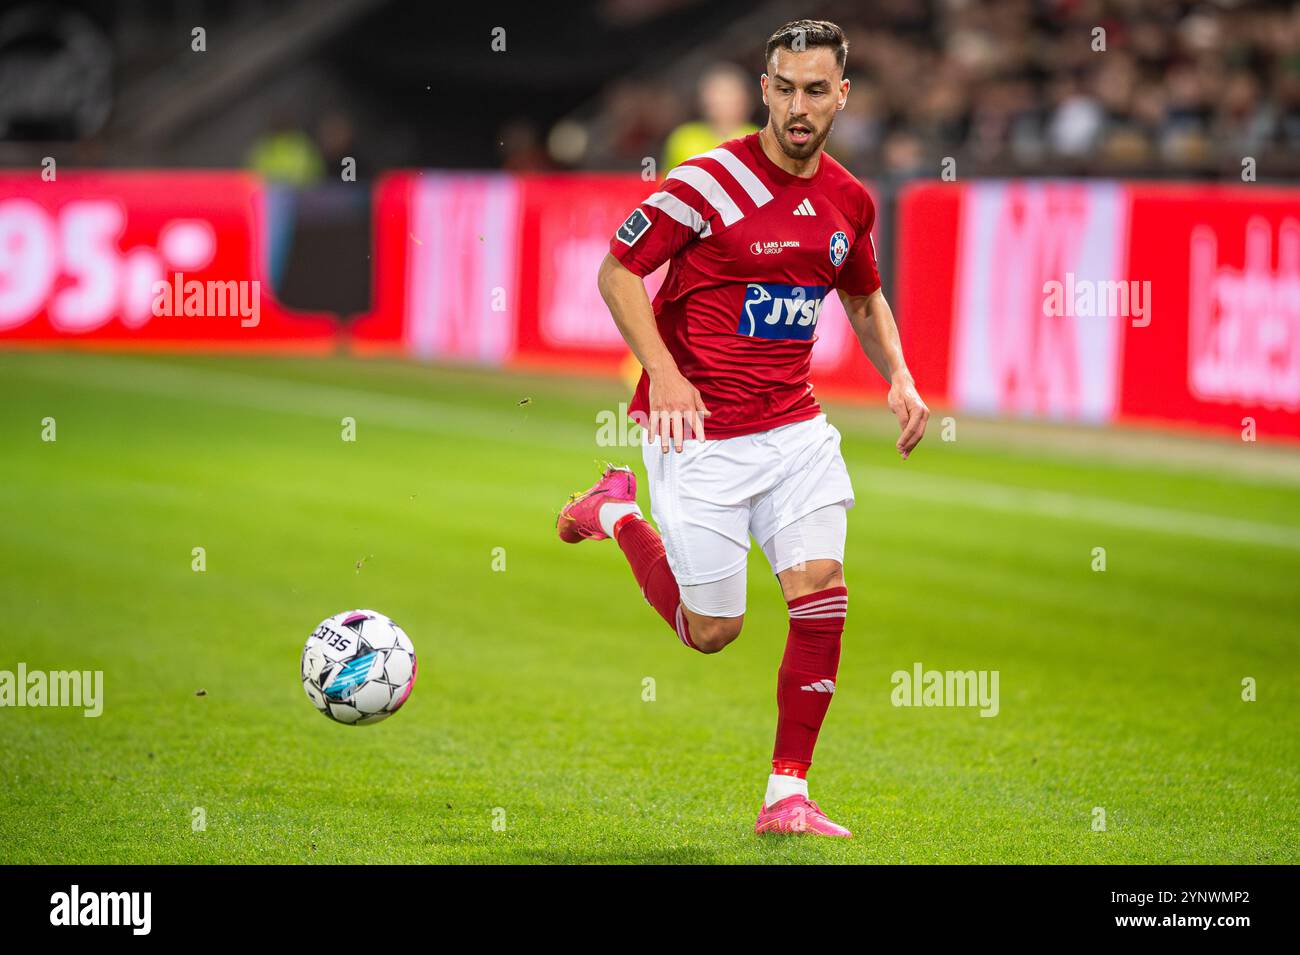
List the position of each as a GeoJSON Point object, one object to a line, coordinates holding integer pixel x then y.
{"type": "Point", "coordinates": [781, 311]}
{"type": "Point", "coordinates": [839, 248]}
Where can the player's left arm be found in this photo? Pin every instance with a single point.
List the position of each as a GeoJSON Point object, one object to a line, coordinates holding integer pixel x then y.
{"type": "Point", "coordinates": [873, 322]}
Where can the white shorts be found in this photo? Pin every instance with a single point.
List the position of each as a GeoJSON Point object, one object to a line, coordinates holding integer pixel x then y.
{"type": "Point", "coordinates": [709, 498]}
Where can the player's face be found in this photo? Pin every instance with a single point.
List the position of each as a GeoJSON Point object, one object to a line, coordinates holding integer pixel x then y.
{"type": "Point", "coordinates": [803, 90]}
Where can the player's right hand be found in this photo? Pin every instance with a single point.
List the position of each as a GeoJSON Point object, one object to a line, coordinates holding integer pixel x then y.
{"type": "Point", "coordinates": [676, 411]}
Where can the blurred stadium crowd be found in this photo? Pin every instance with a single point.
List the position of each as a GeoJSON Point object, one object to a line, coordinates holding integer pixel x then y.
{"type": "Point", "coordinates": [1167, 87]}
{"type": "Point", "coordinates": [1177, 88]}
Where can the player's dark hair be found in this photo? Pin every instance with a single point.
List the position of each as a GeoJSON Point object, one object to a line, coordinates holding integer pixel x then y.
{"type": "Point", "coordinates": [799, 35]}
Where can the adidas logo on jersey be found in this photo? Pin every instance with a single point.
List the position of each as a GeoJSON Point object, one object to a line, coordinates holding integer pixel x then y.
{"type": "Point", "coordinates": [804, 209]}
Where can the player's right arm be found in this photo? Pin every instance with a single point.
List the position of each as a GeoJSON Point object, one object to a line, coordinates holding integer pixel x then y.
{"type": "Point", "coordinates": [674, 402]}
{"type": "Point", "coordinates": [662, 226]}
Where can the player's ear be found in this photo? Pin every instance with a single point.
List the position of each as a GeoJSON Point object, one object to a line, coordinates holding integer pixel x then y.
{"type": "Point", "coordinates": [844, 92]}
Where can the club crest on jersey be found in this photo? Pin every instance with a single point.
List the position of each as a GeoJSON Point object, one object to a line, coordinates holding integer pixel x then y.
{"type": "Point", "coordinates": [839, 248]}
{"type": "Point", "coordinates": [786, 312]}
{"type": "Point", "coordinates": [633, 227]}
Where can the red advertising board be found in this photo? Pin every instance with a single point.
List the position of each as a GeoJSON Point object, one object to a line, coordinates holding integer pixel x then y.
{"type": "Point", "coordinates": [1223, 345]}
{"type": "Point", "coordinates": [928, 216]}
{"type": "Point", "coordinates": [447, 276]}
{"type": "Point", "coordinates": [382, 329]}
{"type": "Point", "coordinates": [1101, 301]}
{"type": "Point", "coordinates": [564, 231]}
{"type": "Point", "coordinates": [141, 259]}
{"type": "Point", "coordinates": [1089, 301]}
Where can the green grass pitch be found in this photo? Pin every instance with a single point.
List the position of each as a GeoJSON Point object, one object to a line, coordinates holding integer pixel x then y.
{"type": "Point", "coordinates": [528, 738]}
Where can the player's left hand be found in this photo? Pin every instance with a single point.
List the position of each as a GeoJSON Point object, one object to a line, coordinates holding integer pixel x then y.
{"type": "Point", "coordinates": [905, 402]}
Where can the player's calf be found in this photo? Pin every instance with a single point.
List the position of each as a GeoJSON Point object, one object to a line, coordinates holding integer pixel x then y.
{"type": "Point", "coordinates": [805, 686]}
{"type": "Point", "coordinates": [609, 509]}
{"type": "Point", "coordinates": [806, 679]}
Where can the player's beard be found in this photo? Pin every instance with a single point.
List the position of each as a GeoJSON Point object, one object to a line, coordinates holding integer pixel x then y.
{"type": "Point", "coordinates": [801, 150]}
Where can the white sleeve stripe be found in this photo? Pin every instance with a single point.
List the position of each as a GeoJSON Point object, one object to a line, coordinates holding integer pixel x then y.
{"type": "Point", "coordinates": [711, 190]}
{"type": "Point", "coordinates": [741, 173]}
{"type": "Point", "coordinates": [679, 211]}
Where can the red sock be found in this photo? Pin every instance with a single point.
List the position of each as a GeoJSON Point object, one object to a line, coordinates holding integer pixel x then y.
{"type": "Point", "coordinates": [806, 680]}
{"type": "Point", "coordinates": [645, 552]}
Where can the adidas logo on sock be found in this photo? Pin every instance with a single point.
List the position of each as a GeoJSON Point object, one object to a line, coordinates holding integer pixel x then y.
{"type": "Point", "coordinates": [820, 686]}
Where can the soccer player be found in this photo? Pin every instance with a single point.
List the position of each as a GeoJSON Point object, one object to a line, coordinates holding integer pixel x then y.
{"type": "Point", "coordinates": [757, 232]}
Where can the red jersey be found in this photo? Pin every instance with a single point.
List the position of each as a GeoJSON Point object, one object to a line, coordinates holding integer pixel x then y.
{"type": "Point", "coordinates": [754, 250]}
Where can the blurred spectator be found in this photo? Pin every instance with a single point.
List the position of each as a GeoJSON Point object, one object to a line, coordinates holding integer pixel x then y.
{"type": "Point", "coordinates": [903, 154]}
{"type": "Point", "coordinates": [337, 140]}
{"type": "Point", "coordinates": [1025, 86]}
{"type": "Point", "coordinates": [859, 129]}
{"type": "Point", "coordinates": [1076, 121]}
{"type": "Point", "coordinates": [522, 149]}
{"type": "Point", "coordinates": [286, 155]}
{"type": "Point", "coordinates": [725, 104]}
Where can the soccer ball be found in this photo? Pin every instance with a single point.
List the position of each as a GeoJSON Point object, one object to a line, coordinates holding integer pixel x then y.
{"type": "Point", "coordinates": [358, 667]}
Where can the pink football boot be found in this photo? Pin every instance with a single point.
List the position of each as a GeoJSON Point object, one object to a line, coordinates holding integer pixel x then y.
{"type": "Point", "coordinates": [796, 815]}
{"type": "Point", "coordinates": [580, 518]}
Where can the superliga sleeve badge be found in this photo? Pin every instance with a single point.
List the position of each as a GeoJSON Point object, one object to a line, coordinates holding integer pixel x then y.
{"type": "Point", "coordinates": [633, 227]}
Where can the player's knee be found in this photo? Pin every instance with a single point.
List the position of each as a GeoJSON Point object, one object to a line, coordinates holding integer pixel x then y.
{"type": "Point", "coordinates": [831, 577]}
{"type": "Point", "coordinates": [815, 577]}
{"type": "Point", "coordinates": [711, 634]}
